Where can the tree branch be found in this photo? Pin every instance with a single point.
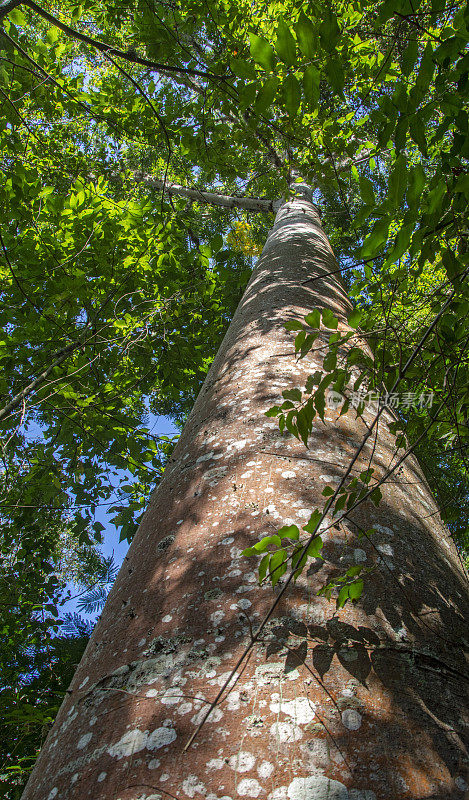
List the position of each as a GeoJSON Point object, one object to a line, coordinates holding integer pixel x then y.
{"type": "Point", "coordinates": [102, 46]}
{"type": "Point", "coordinates": [260, 204]}
{"type": "Point", "coordinates": [21, 396]}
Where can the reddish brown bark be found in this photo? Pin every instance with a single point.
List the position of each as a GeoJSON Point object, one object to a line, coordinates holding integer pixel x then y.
{"type": "Point", "coordinates": [364, 704]}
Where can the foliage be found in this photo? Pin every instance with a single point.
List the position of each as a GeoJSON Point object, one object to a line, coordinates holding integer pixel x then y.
{"type": "Point", "coordinates": [40, 551]}
{"type": "Point", "coordinates": [29, 707]}
{"type": "Point", "coordinates": [240, 237]}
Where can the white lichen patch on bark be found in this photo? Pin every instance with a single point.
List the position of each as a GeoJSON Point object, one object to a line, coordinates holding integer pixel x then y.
{"type": "Point", "coordinates": [137, 740]}
{"type": "Point", "coordinates": [242, 761]}
{"type": "Point", "coordinates": [83, 740]}
{"type": "Point", "coordinates": [300, 709]}
{"type": "Point", "coordinates": [249, 787]}
{"type": "Point", "coordinates": [285, 732]}
{"type": "Point", "coordinates": [317, 787]}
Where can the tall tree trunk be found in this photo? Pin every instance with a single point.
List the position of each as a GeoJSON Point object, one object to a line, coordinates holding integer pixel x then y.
{"type": "Point", "coordinates": [367, 703]}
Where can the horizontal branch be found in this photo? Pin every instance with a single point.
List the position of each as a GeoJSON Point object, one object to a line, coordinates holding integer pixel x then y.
{"type": "Point", "coordinates": [261, 204]}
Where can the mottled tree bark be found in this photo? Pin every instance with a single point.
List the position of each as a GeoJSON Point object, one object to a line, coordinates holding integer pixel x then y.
{"type": "Point", "coordinates": [361, 705]}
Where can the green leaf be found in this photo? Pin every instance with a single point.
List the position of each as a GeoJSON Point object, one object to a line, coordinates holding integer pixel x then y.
{"type": "Point", "coordinates": [417, 132]}
{"type": "Point", "coordinates": [343, 597]}
{"type": "Point", "coordinates": [266, 95]}
{"type": "Point", "coordinates": [375, 240]}
{"type": "Point", "coordinates": [307, 344]}
{"type": "Point", "coordinates": [400, 245]}
{"type": "Point", "coordinates": [291, 93]}
{"type": "Point", "coordinates": [330, 361]}
{"type": "Point", "coordinates": [376, 496]}
{"type": "Point", "coordinates": [328, 491]}
{"type": "Point", "coordinates": [262, 52]}
{"type": "Point", "coordinates": [293, 325]}
{"type": "Point", "coordinates": [299, 340]}
{"type": "Point", "coordinates": [367, 191]}
{"type": "Point", "coordinates": [312, 381]}
{"type": "Point", "coordinates": [329, 31]}
{"type": "Point", "coordinates": [462, 184]}
{"type": "Point", "coordinates": [352, 572]}
{"type": "Point", "coordinates": [289, 532]}
{"type": "Point", "coordinates": [306, 35]}
{"type": "Point", "coordinates": [247, 94]}
{"type": "Point", "coordinates": [311, 80]}
{"type": "Point", "coordinates": [52, 35]}
{"type": "Point", "coordinates": [398, 181]}
{"type": "Point", "coordinates": [416, 184]}
{"type": "Point", "coordinates": [17, 17]}
{"type": "Point", "coordinates": [409, 57]}
{"type": "Point", "coordinates": [217, 243]}
{"type": "Point", "coordinates": [77, 13]}
{"type": "Point", "coordinates": [303, 425]}
{"type": "Point", "coordinates": [354, 318]}
{"type": "Point", "coordinates": [453, 267]}
{"type": "Point", "coordinates": [320, 402]}
{"type": "Point", "coordinates": [298, 561]}
{"type": "Point", "coordinates": [263, 567]}
{"type": "Point", "coordinates": [262, 545]}
{"type": "Point", "coordinates": [313, 522]}
{"type": "Point", "coordinates": [329, 319]}
{"type": "Point", "coordinates": [335, 75]}
{"type": "Point", "coordinates": [436, 195]}
{"type": "Point", "coordinates": [242, 68]}
{"type": "Point", "coordinates": [285, 44]}
{"type": "Point", "coordinates": [355, 589]}
{"type": "Point", "coordinates": [366, 475]}
{"type": "Point", "coordinates": [400, 134]}
{"type": "Point", "coordinates": [314, 549]}
{"type": "Point", "coordinates": [277, 566]}
{"type": "Point", "coordinates": [292, 394]}
{"type": "Point", "coordinates": [313, 319]}
{"type": "Point", "coordinates": [340, 502]}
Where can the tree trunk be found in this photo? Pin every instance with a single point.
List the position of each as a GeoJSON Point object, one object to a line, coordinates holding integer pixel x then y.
{"type": "Point", "coordinates": [361, 704]}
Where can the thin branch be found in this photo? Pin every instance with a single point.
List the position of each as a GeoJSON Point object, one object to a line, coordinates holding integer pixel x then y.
{"type": "Point", "coordinates": [106, 48]}
{"type": "Point", "coordinates": [18, 399]}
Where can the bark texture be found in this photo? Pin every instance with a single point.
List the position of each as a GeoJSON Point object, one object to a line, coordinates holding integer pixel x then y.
{"type": "Point", "coordinates": [228, 201]}
{"type": "Point", "coordinates": [366, 704]}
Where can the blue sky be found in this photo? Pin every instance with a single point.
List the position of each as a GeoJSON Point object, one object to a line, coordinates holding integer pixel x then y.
{"type": "Point", "coordinates": [161, 426]}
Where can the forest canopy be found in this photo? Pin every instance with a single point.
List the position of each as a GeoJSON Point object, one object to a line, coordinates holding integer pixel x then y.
{"type": "Point", "coordinates": [123, 126]}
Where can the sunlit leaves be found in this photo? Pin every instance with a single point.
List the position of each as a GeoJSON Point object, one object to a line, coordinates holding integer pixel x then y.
{"type": "Point", "coordinates": [306, 35]}
{"type": "Point", "coordinates": [285, 44]}
{"type": "Point", "coordinates": [311, 79]}
{"type": "Point", "coordinates": [291, 93]}
{"type": "Point", "coordinates": [262, 545]}
{"type": "Point", "coordinates": [262, 52]}
{"type": "Point", "coordinates": [375, 240]}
